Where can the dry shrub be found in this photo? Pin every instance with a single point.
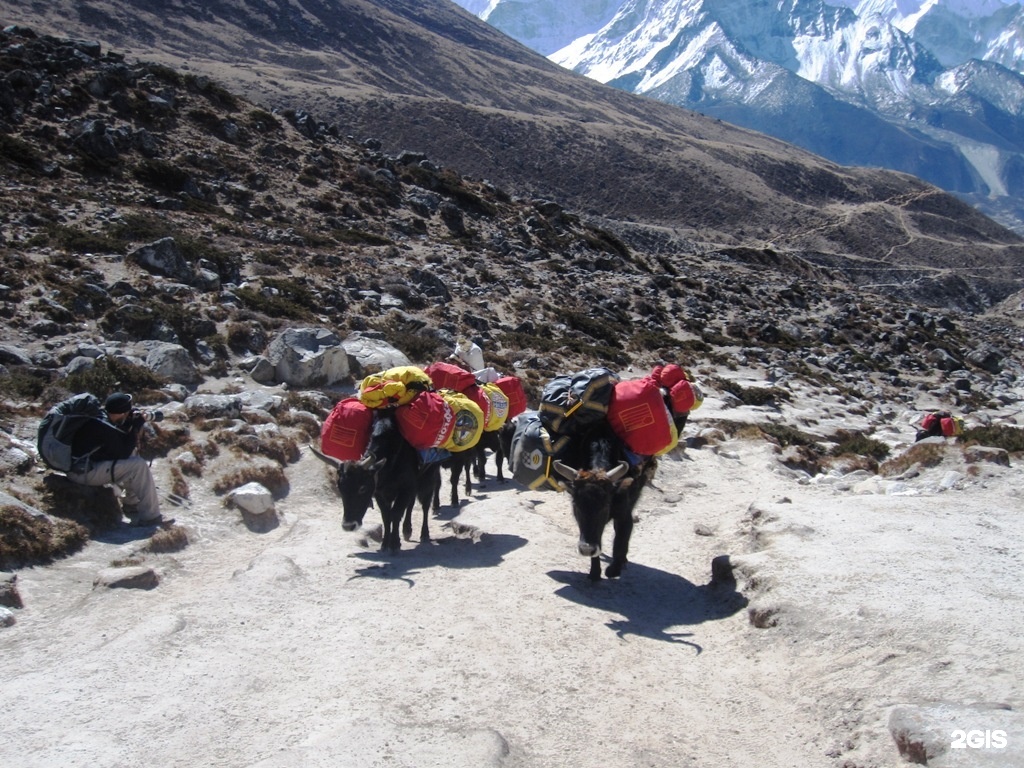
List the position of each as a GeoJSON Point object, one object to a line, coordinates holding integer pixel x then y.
{"type": "Point", "coordinates": [851, 462]}
{"type": "Point", "coordinates": [284, 450]}
{"type": "Point", "coordinates": [925, 454]}
{"type": "Point", "coordinates": [182, 466]}
{"type": "Point", "coordinates": [307, 424]}
{"type": "Point", "coordinates": [157, 441]}
{"type": "Point", "coordinates": [173, 539]}
{"type": "Point", "coordinates": [26, 539]}
{"type": "Point", "coordinates": [179, 485]}
{"type": "Point", "coordinates": [269, 476]}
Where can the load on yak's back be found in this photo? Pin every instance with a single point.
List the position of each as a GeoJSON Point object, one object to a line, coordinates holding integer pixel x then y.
{"type": "Point", "coordinates": [439, 410]}
{"type": "Point", "coordinates": [646, 414]}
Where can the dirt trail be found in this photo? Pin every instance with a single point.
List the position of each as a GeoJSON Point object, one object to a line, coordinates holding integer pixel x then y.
{"type": "Point", "coordinates": [487, 646]}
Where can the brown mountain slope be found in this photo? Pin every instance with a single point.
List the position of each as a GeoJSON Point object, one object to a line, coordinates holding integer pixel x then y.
{"type": "Point", "coordinates": [425, 76]}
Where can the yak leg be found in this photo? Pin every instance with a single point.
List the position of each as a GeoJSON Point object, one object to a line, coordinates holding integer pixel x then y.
{"type": "Point", "coordinates": [499, 459]}
{"type": "Point", "coordinates": [620, 547]}
{"type": "Point", "coordinates": [595, 569]}
{"type": "Point", "coordinates": [407, 522]}
{"type": "Point", "coordinates": [480, 463]}
{"type": "Point", "coordinates": [457, 466]}
{"type": "Point", "coordinates": [427, 489]}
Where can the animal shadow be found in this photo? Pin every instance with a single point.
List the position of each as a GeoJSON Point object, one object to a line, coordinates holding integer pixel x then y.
{"type": "Point", "coordinates": [652, 601]}
{"type": "Point", "coordinates": [468, 548]}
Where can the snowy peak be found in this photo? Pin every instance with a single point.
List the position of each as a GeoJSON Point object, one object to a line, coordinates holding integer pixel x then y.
{"type": "Point", "coordinates": [929, 87]}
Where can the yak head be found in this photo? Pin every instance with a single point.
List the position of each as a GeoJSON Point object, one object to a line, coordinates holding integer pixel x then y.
{"type": "Point", "coordinates": [357, 482]}
{"type": "Point", "coordinates": [592, 493]}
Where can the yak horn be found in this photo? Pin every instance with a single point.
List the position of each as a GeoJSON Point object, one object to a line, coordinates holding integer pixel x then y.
{"type": "Point", "coordinates": [324, 457]}
{"type": "Point", "coordinates": [566, 471]}
{"type": "Point", "coordinates": [619, 471]}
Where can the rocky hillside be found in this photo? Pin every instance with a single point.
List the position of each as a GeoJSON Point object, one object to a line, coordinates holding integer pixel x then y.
{"type": "Point", "coordinates": [430, 78]}
{"type": "Point", "coordinates": [149, 209]}
{"type": "Point", "coordinates": [278, 220]}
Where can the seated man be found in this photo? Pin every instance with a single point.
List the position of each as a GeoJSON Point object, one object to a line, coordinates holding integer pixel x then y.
{"type": "Point", "coordinates": [109, 445]}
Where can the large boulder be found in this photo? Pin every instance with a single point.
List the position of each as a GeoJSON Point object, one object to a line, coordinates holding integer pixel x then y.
{"type": "Point", "coordinates": [369, 355]}
{"type": "Point", "coordinates": [173, 362]}
{"type": "Point", "coordinates": [308, 357]}
{"type": "Point", "coordinates": [164, 258]}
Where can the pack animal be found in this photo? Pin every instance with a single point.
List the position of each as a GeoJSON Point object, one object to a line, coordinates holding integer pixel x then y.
{"type": "Point", "coordinates": [604, 486]}
{"type": "Point", "coordinates": [390, 473]}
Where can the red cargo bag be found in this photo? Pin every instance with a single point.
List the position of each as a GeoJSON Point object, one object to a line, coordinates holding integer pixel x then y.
{"type": "Point", "coordinates": [638, 415]}
{"type": "Point", "coordinates": [450, 376]}
{"type": "Point", "coordinates": [513, 389]}
{"type": "Point", "coordinates": [426, 422]}
{"type": "Point", "coordinates": [346, 431]}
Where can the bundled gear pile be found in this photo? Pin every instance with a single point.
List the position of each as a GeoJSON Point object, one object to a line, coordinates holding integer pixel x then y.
{"type": "Point", "coordinates": [489, 397]}
{"type": "Point", "coordinates": [443, 409]}
{"type": "Point", "coordinates": [940, 424]}
{"type": "Point", "coordinates": [569, 405]}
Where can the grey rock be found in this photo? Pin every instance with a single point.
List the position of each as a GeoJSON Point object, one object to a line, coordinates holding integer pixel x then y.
{"type": "Point", "coordinates": [164, 258]}
{"type": "Point", "coordinates": [369, 355]}
{"type": "Point", "coordinates": [133, 577]}
{"type": "Point", "coordinates": [173, 362]}
{"type": "Point", "coordinates": [306, 357]}
{"type": "Point", "coordinates": [214, 406]}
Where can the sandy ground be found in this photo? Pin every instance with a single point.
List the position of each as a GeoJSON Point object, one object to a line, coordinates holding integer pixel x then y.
{"type": "Point", "coordinates": [886, 607]}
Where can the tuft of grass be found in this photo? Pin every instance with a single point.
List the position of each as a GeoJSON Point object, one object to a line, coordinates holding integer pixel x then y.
{"type": "Point", "coordinates": [173, 539]}
{"type": "Point", "coordinates": [752, 395]}
{"type": "Point", "coordinates": [786, 436]}
{"type": "Point", "coordinates": [269, 476]}
{"type": "Point", "coordinates": [925, 454]}
{"type": "Point", "coordinates": [29, 540]}
{"type": "Point", "coordinates": [860, 445]}
{"type": "Point", "coordinates": [1010, 439]}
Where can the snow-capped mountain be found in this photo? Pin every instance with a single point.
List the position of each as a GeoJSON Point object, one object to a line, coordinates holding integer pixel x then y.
{"type": "Point", "coordinates": [930, 87]}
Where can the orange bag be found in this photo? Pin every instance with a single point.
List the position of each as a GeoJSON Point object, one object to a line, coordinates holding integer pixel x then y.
{"type": "Point", "coordinates": [426, 421]}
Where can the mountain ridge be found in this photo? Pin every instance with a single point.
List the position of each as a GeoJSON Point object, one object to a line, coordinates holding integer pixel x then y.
{"type": "Point", "coordinates": [873, 62]}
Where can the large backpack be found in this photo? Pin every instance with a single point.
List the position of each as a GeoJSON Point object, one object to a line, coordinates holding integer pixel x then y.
{"type": "Point", "coordinates": [58, 428]}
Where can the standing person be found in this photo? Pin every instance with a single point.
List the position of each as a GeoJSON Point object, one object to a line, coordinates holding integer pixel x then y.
{"type": "Point", "coordinates": [109, 446]}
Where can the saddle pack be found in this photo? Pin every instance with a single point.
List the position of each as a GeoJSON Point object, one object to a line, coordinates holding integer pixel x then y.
{"type": "Point", "coordinates": [640, 418]}
{"type": "Point", "coordinates": [533, 452]}
{"type": "Point", "coordinates": [571, 404]}
{"type": "Point", "coordinates": [444, 419]}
